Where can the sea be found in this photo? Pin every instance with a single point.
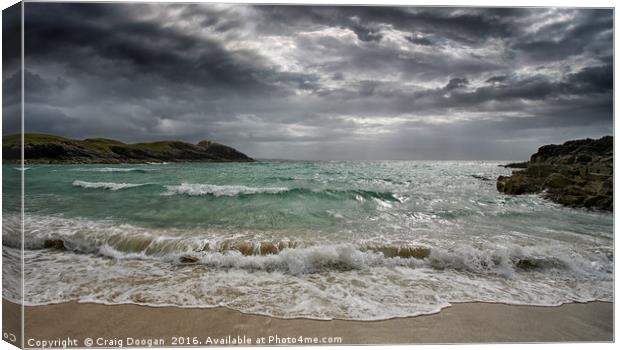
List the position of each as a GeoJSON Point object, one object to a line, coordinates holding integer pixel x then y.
{"type": "Point", "coordinates": [350, 240]}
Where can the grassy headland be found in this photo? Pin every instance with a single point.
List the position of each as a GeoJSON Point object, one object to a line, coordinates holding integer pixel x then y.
{"type": "Point", "coordinates": [45, 148]}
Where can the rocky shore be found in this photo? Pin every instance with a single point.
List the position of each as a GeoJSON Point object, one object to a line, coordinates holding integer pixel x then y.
{"type": "Point", "coordinates": [51, 149]}
{"type": "Point", "coordinates": [577, 174]}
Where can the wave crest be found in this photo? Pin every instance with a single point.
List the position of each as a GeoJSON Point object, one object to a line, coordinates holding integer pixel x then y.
{"type": "Point", "coordinates": [218, 190]}
{"type": "Point", "coordinates": [296, 256]}
{"type": "Point", "coordinates": [238, 190]}
{"type": "Point", "coordinates": [113, 186]}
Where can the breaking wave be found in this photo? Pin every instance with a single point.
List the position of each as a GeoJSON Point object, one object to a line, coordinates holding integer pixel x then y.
{"type": "Point", "coordinates": [216, 190]}
{"type": "Point", "coordinates": [294, 256]}
{"type": "Point", "coordinates": [113, 186]}
{"type": "Point", "coordinates": [312, 276]}
{"type": "Point", "coordinates": [233, 190]}
{"type": "Point", "coordinates": [310, 257]}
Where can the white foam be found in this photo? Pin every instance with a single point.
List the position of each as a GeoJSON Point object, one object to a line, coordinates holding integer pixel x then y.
{"type": "Point", "coordinates": [218, 190]}
{"type": "Point", "coordinates": [332, 278]}
{"type": "Point", "coordinates": [370, 293]}
{"type": "Point", "coordinates": [113, 186]}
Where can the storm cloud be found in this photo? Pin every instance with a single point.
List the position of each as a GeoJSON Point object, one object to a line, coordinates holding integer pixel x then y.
{"type": "Point", "coordinates": [320, 82]}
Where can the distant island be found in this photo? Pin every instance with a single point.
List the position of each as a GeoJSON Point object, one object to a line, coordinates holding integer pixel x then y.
{"type": "Point", "coordinates": [52, 149]}
{"type": "Point", "coordinates": [577, 173]}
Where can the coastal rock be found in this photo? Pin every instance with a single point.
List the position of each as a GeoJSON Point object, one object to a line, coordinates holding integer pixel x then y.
{"type": "Point", "coordinates": [51, 149]}
{"type": "Point", "coordinates": [518, 165]}
{"type": "Point", "coordinates": [577, 173]}
{"type": "Point", "coordinates": [518, 184]}
{"type": "Point", "coordinates": [557, 181]}
{"type": "Point", "coordinates": [219, 151]}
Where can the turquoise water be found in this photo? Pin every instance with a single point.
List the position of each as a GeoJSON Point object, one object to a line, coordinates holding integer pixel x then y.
{"type": "Point", "coordinates": [351, 240]}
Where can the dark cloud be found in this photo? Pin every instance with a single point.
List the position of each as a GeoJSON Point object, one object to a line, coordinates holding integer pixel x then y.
{"type": "Point", "coordinates": [584, 32]}
{"type": "Point", "coordinates": [11, 36]}
{"type": "Point", "coordinates": [496, 79]}
{"type": "Point", "coordinates": [456, 83]}
{"type": "Point", "coordinates": [106, 32]}
{"type": "Point", "coordinates": [418, 40]}
{"type": "Point", "coordinates": [470, 25]}
{"type": "Point", "coordinates": [598, 79]}
{"type": "Point", "coordinates": [319, 81]}
{"type": "Point", "coordinates": [11, 73]}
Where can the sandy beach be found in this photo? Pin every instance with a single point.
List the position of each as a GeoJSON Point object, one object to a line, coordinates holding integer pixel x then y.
{"type": "Point", "coordinates": [467, 322]}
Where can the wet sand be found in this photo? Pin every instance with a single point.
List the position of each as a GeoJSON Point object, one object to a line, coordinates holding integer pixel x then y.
{"type": "Point", "coordinates": [461, 323]}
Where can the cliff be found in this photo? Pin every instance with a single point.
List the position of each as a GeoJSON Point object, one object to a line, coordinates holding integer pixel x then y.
{"type": "Point", "coordinates": [577, 173]}
{"type": "Point", "coordinates": [43, 148]}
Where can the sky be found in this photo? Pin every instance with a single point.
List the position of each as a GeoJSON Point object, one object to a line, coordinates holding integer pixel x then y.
{"type": "Point", "coordinates": [316, 82]}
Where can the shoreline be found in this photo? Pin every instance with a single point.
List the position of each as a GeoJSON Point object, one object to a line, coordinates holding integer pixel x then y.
{"type": "Point", "coordinates": [458, 323]}
{"type": "Point", "coordinates": [451, 304]}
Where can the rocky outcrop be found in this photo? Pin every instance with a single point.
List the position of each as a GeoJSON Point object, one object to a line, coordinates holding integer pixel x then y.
{"type": "Point", "coordinates": [518, 165]}
{"type": "Point", "coordinates": [42, 148]}
{"type": "Point", "coordinates": [577, 173]}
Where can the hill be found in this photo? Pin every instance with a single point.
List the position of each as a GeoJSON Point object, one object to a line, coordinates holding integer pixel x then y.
{"type": "Point", "coordinates": [45, 148]}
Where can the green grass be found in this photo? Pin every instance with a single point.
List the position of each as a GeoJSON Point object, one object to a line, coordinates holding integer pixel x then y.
{"type": "Point", "coordinates": [103, 148]}
{"type": "Point", "coordinates": [32, 138]}
{"type": "Point", "coordinates": [159, 146]}
{"type": "Point", "coordinates": [99, 144]}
